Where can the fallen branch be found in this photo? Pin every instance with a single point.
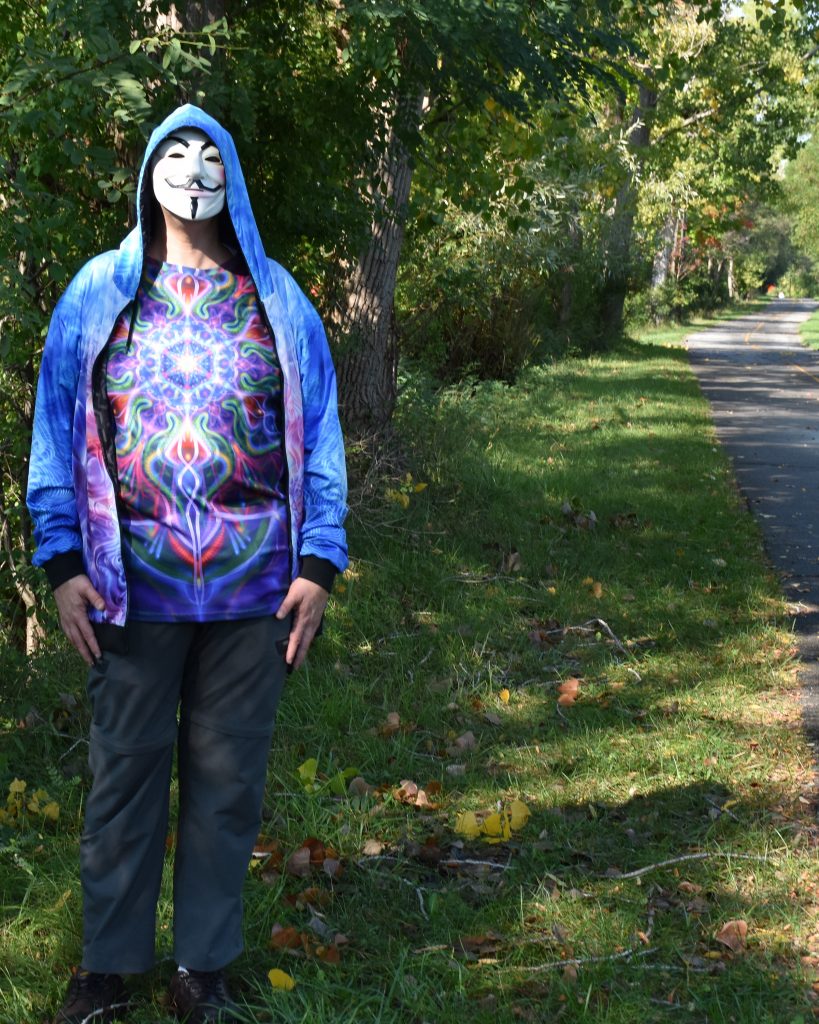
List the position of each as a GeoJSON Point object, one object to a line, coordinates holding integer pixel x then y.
{"type": "Point", "coordinates": [578, 961]}
{"type": "Point", "coordinates": [687, 857]}
{"type": "Point", "coordinates": [589, 628]}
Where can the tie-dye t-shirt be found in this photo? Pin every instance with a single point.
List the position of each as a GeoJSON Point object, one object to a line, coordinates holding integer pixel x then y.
{"type": "Point", "coordinates": [194, 387]}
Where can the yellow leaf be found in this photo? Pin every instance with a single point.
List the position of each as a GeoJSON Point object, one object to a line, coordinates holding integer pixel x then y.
{"type": "Point", "coordinates": [492, 826]}
{"type": "Point", "coordinates": [467, 825]}
{"type": "Point", "coordinates": [17, 786]}
{"type": "Point", "coordinates": [587, 582]}
{"type": "Point", "coordinates": [504, 696]}
{"type": "Point", "coordinates": [419, 487]}
{"type": "Point", "coordinates": [597, 589]}
{"type": "Point", "coordinates": [51, 811]}
{"type": "Point", "coordinates": [281, 980]}
{"type": "Point", "coordinates": [518, 814]}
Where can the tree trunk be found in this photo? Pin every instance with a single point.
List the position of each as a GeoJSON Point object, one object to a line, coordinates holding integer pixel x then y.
{"type": "Point", "coordinates": [662, 257]}
{"type": "Point", "coordinates": [618, 256]}
{"type": "Point", "coordinates": [732, 284]}
{"type": "Point", "coordinates": [362, 322]}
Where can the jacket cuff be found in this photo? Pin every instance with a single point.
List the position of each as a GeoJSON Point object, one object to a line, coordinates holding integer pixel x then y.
{"type": "Point", "coordinates": [318, 570]}
{"type": "Point", "coordinates": [63, 567]}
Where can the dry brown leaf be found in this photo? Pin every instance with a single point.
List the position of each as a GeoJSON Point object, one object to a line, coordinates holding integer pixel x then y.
{"type": "Point", "coordinates": [466, 741]}
{"type": "Point", "coordinates": [391, 724]}
{"type": "Point", "coordinates": [285, 937]}
{"type": "Point", "coordinates": [570, 974]}
{"type": "Point", "coordinates": [568, 690]}
{"type": "Point", "coordinates": [328, 954]}
{"type": "Point", "coordinates": [360, 787]}
{"type": "Point", "coordinates": [298, 863]}
{"type": "Point", "coordinates": [372, 848]}
{"type": "Point", "coordinates": [733, 935]}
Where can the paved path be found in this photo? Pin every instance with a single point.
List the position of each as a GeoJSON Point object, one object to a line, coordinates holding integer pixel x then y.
{"type": "Point", "coordinates": [763, 386]}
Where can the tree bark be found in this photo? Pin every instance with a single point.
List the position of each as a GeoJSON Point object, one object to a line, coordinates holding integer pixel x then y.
{"type": "Point", "coordinates": [362, 323]}
{"type": "Point", "coordinates": [621, 231]}
{"type": "Point", "coordinates": [662, 257]}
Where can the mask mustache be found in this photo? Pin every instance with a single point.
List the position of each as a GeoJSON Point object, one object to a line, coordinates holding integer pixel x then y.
{"type": "Point", "coordinates": [196, 183]}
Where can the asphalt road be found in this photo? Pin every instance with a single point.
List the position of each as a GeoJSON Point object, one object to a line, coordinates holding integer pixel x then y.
{"type": "Point", "coordinates": [763, 386]}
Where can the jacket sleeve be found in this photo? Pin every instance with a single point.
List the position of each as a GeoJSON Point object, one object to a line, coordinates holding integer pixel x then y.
{"type": "Point", "coordinates": [50, 497]}
{"type": "Point", "coordinates": [323, 542]}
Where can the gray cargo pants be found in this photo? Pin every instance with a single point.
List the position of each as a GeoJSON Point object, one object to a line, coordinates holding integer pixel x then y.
{"type": "Point", "coordinates": [225, 679]}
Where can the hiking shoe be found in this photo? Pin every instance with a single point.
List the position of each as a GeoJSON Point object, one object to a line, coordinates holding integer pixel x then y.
{"type": "Point", "coordinates": [199, 997]}
{"type": "Point", "coordinates": [93, 998]}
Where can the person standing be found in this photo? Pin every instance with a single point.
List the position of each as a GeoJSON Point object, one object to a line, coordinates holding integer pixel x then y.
{"type": "Point", "coordinates": [187, 489]}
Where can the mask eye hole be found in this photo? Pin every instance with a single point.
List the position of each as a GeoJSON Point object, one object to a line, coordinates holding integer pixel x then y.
{"type": "Point", "coordinates": [175, 156]}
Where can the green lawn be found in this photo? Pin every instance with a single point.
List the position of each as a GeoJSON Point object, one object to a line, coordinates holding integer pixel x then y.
{"type": "Point", "coordinates": [582, 525]}
{"type": "Point", "coordinates": [810, 331]}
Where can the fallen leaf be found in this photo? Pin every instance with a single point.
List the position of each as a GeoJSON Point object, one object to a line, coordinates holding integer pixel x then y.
{"type": "Point", "coordinates": [512, 562]}
{"type": "Point", "coordinates": [321, 928]}
{"type": "Point", "coordinates": [467, 825]}
{"type": "Point", "coordinates": [456, 769]}
{"type": "Point", "coordinates": [504, 696]}
{"type": "Point", "coordinates": [518, 814]}
{"type": "Point", "coordinates": [568, 690]}
{"type": "Point", "coordinates": [298, 863]}
{"type": "Point", "coordinates": [328, 954]}
{"type": "Point", "coordinates": [597, 589]}
{"type": "Point", "coordinates": [733, 935]}
{"type": "Point", "coordinates": [281, 980]}
{"type": "Point", "coordinates": [285, 937]}
{"type": "Point", "coordinates": [372, 848]}
{"type": "Point", "coordinates": [466, 741]}
{"type": "Point", "coordinates": [360, 787]}
{"type": "Point", "coordinates": [492, 718]}
{"type": "Point", "coordinates": [332, 867]}
{"type": "Point", "coordinates": [391, 725]}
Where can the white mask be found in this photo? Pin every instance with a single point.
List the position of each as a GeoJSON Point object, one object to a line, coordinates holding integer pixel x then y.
{"type": "Point", "coordinates": [188, 175]}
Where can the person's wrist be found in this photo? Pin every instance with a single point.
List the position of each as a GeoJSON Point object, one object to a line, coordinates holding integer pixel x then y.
{"type": "Point", "coordinates": [318, 570]}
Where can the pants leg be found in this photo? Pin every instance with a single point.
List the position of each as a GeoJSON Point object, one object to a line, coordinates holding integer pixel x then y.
{"type": "Point", "coordinates": [134, 697]}
{"type": "Point", "coordinates": [233, 681]}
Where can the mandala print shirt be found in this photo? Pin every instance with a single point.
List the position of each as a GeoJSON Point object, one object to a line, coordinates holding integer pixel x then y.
{"type": "Point", "coordinates": [194, 387]}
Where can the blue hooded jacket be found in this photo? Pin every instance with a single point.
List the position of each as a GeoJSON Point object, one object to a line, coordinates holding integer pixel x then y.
{"type": "Point", "coordinates": [71, 494]}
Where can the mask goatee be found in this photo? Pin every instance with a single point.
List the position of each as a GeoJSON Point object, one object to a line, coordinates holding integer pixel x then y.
{"type": "Point", "coordinates": [194, 207]}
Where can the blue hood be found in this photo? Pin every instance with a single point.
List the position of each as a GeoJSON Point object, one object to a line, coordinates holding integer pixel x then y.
{"type": "Point", "coordinates": [131, 253]}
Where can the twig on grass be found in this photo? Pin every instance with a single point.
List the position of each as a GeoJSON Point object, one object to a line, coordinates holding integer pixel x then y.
{"type": "Point", "coordinates": [469, 862]}
{"type": "Point", "coordinates": [686, 857]}
{"type": "Point", "coordinates": [582, 961]}
{"type": "Point", "coordinates": [590, 628]}
{"type": "Point", "coordinates": [419, 893]}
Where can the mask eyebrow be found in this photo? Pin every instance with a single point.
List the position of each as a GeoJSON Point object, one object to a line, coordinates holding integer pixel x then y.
{"type": "Point", "coordinates": [176, 138]}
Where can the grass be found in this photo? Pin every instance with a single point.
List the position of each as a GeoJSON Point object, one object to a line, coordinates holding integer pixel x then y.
{"type": "Point", "coordinates": [674, 333]}
{"type": "Point", "coordinates": [683, 739]}
{"type": "Point", "coordinates": [809, 330]}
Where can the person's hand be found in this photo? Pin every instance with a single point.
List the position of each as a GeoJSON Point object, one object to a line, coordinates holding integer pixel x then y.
{"type": "Point", "coordinates": [307, 601]}
{"type": "Point", "coordinates": [73, 598]}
